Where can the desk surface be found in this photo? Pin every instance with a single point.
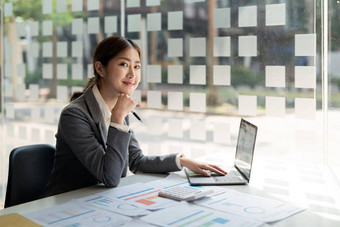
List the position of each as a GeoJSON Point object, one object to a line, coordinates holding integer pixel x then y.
{"type": "Point", "coordinates": [305, 218]}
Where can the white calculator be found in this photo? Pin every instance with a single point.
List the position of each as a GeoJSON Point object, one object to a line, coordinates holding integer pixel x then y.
{"type": "Point", "coordinates": [185, 193]}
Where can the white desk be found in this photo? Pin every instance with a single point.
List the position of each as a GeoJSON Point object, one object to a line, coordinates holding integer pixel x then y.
{"type": "Point", "coordinates": [304, 218]}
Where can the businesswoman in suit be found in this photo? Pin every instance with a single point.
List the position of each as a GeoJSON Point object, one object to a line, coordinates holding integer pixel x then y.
{"type": "Point", "coordinates": [94, 141]}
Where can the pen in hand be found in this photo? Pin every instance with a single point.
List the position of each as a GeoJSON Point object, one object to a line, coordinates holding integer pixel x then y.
{"type": "Point", "coordinates": [136, 115]}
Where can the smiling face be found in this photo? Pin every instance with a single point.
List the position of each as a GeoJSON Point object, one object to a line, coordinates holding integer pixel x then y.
{"type": "Point", "coordinates": [122, 73]}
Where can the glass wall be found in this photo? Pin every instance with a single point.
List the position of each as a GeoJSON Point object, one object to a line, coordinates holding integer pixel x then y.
{"type": "Point", "coordinates": [205, 65]}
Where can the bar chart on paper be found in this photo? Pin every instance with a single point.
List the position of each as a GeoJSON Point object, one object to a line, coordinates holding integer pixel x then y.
{"type": "Point", "coordinates": [192, 215]}
{"type": "Point", "coordinates": [114, 205]}
{"type": "Point", "coordinates": [143, 196]}
{"type": "Point", "coordinates": [146, 198]}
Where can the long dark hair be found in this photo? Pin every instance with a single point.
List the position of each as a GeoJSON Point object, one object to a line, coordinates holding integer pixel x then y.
{"type": "Point", "coordinates": [107, 49]}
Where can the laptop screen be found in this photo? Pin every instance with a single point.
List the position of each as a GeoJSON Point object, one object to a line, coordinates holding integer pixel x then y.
{"type": "Point", "coordinates": [245, 147]}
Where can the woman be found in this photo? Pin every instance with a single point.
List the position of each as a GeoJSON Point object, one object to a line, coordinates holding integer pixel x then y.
{"type": "Point", "coordinates": [94, 141]}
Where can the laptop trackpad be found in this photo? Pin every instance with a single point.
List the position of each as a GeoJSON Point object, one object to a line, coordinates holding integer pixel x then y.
{"type": "Point", "coordinates": [201, 180]}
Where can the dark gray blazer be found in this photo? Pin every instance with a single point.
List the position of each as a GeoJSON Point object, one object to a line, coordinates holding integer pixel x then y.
{"type": "Point", "coordinates": [86, 157]}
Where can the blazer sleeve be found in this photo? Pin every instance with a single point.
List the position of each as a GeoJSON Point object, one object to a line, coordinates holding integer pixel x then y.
{"type": "Point", "coordinates": [78, 130]}
{"type": "Point", "coordinates": [149, 164]}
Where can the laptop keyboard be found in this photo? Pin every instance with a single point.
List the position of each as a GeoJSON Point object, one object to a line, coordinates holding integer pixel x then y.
{"type": "Point", "coordinates": [230, 177]}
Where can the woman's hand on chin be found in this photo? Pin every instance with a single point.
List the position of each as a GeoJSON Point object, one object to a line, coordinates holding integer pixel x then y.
{"type": "Point", "coordinates": [124, 105]}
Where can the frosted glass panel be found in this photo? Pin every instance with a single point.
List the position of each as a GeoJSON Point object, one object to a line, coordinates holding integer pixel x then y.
{"type": "Point", "coordinates": [21, 29]}
{"type": "Point", "coordinates": [175, 128]}
{"type": "Point", "coordinates": [47, 27]}
{"type": "Point", "coordinates": [247, 105]}
{"type": "Point", "coordinates": [61, 49]}
{"type": "Point", "coordinates": [8, 70]}
{"type": "Point", "coordinates": [175, 47]}
{"type": "Point", "coordinates": [47, 49]}
{"type": "Point", "coordinates": [77, 72]}
{"type": "Point", "coordinates": [305, 45]}
{"type": "Point", "coordinates": [153, 2]}
{"type": "Point", "coordinates": [305, 76]}
{"type": "Point", "coordinates": [175, 100]}
{"type": "Point", "coordinates": [197, 130]}
{"type": "Point", "coordinates": [175, 74]}
{"type": "Point", "coordinates": [46, 6]}
{"type": "Point", "coordinates": [77, 5]}
{"type": "Point", "coordinates": [8, 90]}
{"type": "Point", "coordinates": [305, 108]}
{"type": "Point", "coordinates": [34, 28]}
{"type": "Point", "coordinates": [222, 18]}
{"type": "Point", "coordinates": [197, 102]}
{"type": "Point", "coordinates": [197, 74]}
{"type": "Point", "coordinates": [134, 22]}
{"type": "Point", "coordinates": [153, 73]}
{"type": "Point", "coordinates": [62, 93]}
{"type": "Point", "coordinates": [197, 47]}
{"type": "Point", "coordinates": [275, 76]}
{"type": "Point", "coordinates": [247, 16]}
{"type": "Point", "coordinates": [21, 70]}
{"type": "Point", "coordinates": [34, 91]}
{"type": "Point", "coordinates": [92, 5]}
{"type": "Point", "coordinates": [8, 9]}
{"type": "Point", "coordinates": [155, 125]}
{"type": "Point", "coordinates": [132, 3]}
{"type": "Point", "coordinates": [33, 49]}
{"type": "Point", "coordinates": [61, 6]}
{"type": "Point", "coordinates": [154, 22]}
{"type": "Point", "coordinates": [47, 71]}
{"type": "Point", "coordinates": [275, 106]}
{"type": "Point", "coordinates": [62, 71]}
{"type": "Point", "coordinates": [221, 75]}
{"type": "Point", "coordinates": [175, 20]}
{"type": "Point", "coordinates": [20, 92]}
{"type": "Point", "coordinates": [93, 25]}
{"type": "Point", "coordinates": [10, 112]}
{"type": "Point", "coordinates": [247, 46]}
{"type": "Point", "coordinates": [110, 23]}
{"type": "Point", "coordinates": [221, 46]}
{"type": "Point", "coordinates": [275, 14]}
{"type": "Point", "coordinates": [77, 49]}
{"type": "Point", "coordinates": [154, 99]}
{"type": "Point", "coordinates": [77, 26]}
{"type": "Point", "coordinates": [222, 133]}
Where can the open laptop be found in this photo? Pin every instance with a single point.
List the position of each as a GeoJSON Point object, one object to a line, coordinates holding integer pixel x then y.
{"type": "Point", "coordinates": [240, 173]}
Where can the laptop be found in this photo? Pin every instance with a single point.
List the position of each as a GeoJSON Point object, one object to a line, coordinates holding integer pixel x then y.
{"type": "Point", "coordinates": [240, 173]}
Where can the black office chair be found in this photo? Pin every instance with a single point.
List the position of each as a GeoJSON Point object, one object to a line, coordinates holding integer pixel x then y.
{"type": "Point", "coordinates": [29, 170]}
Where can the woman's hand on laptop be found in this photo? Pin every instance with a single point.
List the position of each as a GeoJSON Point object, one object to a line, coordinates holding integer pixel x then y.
{"type": "Point", "coordinates": [200, 167]}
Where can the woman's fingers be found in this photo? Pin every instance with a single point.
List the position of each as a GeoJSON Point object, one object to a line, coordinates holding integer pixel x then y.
{"type": "Point", "coordinates": [127, 101]}
{"type": "Point", "coordinates": [201, 167]}
{"type": "Point", "coordinates": [213, 168]}
{"type": "Point", "coordinates": [219, 170]}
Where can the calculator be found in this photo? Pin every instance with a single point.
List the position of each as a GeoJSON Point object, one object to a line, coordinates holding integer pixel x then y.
{"type": "Point", "coordinates": [184, 193]}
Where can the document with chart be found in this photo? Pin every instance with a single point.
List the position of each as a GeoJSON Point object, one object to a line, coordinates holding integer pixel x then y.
{"type": "Point", "coordinates": [254, 207]}
{"type": "Point", "coordinates": [146, 195]}
{"type": "Point", "coordinates": [186, 214]}
{"type": "Point", "coordinates": [75, 213]}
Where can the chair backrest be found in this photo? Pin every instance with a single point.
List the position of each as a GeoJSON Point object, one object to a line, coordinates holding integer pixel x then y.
{"type": "Point", "coordinates": [29, 170]}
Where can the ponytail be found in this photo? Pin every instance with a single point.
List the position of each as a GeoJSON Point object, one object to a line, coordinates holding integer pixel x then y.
{"type": "Point", "coordinates": [92, 81]}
